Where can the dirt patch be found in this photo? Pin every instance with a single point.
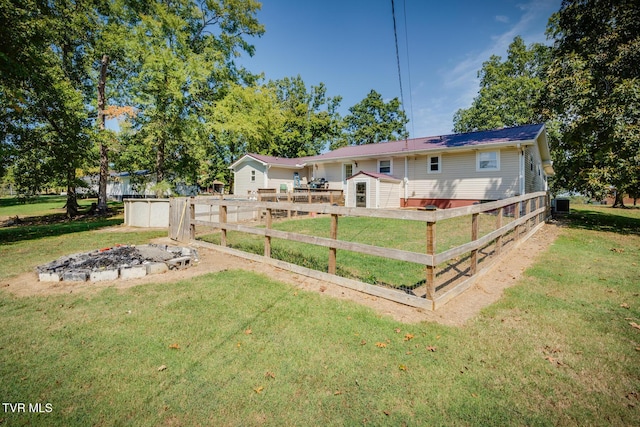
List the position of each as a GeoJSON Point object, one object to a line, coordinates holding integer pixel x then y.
{"type": "Point", "coordinates": [487, 290]}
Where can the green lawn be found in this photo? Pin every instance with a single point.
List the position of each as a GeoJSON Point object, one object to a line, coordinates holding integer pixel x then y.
{"type": "Point", "coordinates": [388, 233]}
{"type": "Point", "coordinates": [558, 349]}
{"type": "Point", "coordinates": [37, 206]}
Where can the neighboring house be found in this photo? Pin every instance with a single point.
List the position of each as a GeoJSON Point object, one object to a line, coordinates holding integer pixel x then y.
{"type": "Point", "coordinates": [120, 186]}
{"type": "Point", "coordinates": [445, 171]}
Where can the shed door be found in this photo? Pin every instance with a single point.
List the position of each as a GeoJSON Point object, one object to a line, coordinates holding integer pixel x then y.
{"type": "Point", "coordinates": [361, 194]}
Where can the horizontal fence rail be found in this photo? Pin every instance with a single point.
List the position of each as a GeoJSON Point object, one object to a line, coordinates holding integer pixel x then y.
{"type": "Point", "coordinates": [524, 214]}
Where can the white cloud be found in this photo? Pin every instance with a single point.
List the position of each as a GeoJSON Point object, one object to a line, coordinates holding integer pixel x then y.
{"type": "Point", "coordinates": [502, 18]}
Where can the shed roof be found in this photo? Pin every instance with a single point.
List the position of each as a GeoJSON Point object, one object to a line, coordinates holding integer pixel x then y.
{"type": "Point", "coordinates": [376, 175]}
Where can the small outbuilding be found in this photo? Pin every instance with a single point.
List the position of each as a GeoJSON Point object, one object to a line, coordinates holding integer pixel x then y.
{"type": "Point", "coordinates": [373, 190]}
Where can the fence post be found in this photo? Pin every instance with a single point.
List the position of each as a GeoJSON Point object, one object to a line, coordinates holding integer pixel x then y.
{"type": "Point", "coordinates": [527, 209]}
{"type": "Point", "coordinates": [431, 269]}
{"type": "Point", "coordinates": [499, 226]}
{"type": "Point", "coordinates": [267, 239]}
{"type": "Point", "coordinates": [192, 219]}
{"type": "Point", "coordinates": [223, 219]}
{"type": "Point", "coordinates": [474, 237]}
{"type": "Point", "coordinates": [516, 217]}
{"type": "Point", "coordinates": [334, 236]}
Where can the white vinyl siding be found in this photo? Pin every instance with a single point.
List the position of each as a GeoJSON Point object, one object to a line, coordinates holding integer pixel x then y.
{"type": "Point", "coordinates": [388, 195]}
{"type": "Point", "coordinates": [243, 179]}
{"type": "Point", "coordinates": [534, 178]}
{"type": "Point", "coordinates": [460, 180]}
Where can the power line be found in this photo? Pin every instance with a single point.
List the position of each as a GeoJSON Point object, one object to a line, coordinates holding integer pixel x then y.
{"type": "Point", "coordinates": [395, 35]}
{"type": "Point", "coordinates": [406, 42]}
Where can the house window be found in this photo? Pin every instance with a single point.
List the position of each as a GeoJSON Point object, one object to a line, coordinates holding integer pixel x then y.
{"type": "Point", "coordinates": [348, 170]}
{"type": "Point", "coordinates": [433, 165]}
{"type": "Point", "coordinates": [384, 166]}
{"type": "Point", "coordinates": [488, 161]}
{"type": "Point", "coordinates": [253, 176]}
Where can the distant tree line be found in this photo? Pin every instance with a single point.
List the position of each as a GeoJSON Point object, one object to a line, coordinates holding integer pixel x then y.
{"type": "Point", "coordinates": [585, 86]}
{"type": "Point", "coordinates": [168, 72]}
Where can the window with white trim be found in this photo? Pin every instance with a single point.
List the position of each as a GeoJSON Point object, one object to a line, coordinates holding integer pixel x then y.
{"type": "Point", "coordinates": [348, 170]}
{"type": "Point", "coordinates": [253, 176]}
{"type": "Point", "coordinates": [384, 166]}
{"type": "Point", "coordinates": [488, 161]}
{"type": "Point", "coordinates": [433, 164]}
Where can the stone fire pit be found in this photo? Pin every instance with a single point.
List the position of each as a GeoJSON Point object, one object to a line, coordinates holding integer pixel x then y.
{"type": "Point", "coordinates": [124, 262]}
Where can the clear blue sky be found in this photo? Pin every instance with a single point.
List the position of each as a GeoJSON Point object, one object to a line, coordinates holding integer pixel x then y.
{"type": "Point", "coordinates": [349, 46]}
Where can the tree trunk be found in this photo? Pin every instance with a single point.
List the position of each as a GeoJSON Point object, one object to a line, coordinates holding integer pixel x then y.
{"type": "Point", "coordinates": [104, 150]}
{"type": "Point", "coordinates": [72, 198]}
{"type": "Point", "coordinates": [619, 200]}
{"type": "Point", "coordinates": [160, 161]}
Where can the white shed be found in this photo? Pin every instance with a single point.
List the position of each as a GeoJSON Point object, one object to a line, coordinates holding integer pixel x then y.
{"type": "Point", "coordinates": [373, 190]}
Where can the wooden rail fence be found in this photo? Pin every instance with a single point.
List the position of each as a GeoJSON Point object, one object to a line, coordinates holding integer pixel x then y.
{"type": "Point", "coordinates": [526, 213]}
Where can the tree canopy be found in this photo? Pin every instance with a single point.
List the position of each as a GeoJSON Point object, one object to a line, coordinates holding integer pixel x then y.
{"type": "Point", "coordinates": [372, 120]}
{"type": "Point", "coordinates": [593, 90]}
{"type": "Point", "coordinates": [46, 74]}
{"type": "Point", "coordinates": [510, 90]}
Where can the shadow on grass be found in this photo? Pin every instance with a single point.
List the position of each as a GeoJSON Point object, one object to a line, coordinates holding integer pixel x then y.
{"type": "Point", "coordinates": [604, 221]}
{"type": "Point", "coordinates": [31, 232]}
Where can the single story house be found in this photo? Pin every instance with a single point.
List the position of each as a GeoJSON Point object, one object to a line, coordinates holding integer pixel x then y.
{"type": "Point", "coordinates": [444, 171]}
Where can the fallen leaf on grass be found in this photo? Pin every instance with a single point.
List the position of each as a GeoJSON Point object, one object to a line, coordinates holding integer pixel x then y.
{"type": "Point", "coordinates": [174, 346]}
{"type": "Point", "coordinates": [554, 361]}
{"type": "Point", "coordinates": [363, 342]}
{"type": "Point", "coordinates": [617, 250]}
{"type": "Point", "coordinates": [431, 348]}
{"type": "Point", "coordinates": [381, 344]}
{"type": "Point", "coordinates": [258, 389]}
{"type": "Point", "coordinates": [397, 330]}
{"type": "Point", "coordinates": [624, 305]}
{"type": "Point", "coordinates": [408, 337]}
{"type": "Point", "coordinates": [337, 392]}
{"type": "Point", "coordinates": [402, 367]}
{"type": "Point", "coordinates": [634, 325]}
{"type": "Point", "coordinates": [270, 375]}
{"type": "Point", "coordinates": [162, 367]}
{"type": "Point", "coordinates": [248, 332]}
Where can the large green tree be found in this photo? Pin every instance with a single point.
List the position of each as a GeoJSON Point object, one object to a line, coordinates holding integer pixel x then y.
{"type": "Point", "coordinates": [46, 79]}
{"type": "Point", "coordinates": [594, 92]}
{"type": "Point", "coordinates": [179, 58]}
{"type": "Point", "coordinates": [311, 121]}
{"type": "Point", "coordinates": [510, 90]}
{"type": "Point", "coordinates": [372, 120]}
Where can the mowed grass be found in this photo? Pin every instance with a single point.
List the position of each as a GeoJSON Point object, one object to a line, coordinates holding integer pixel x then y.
{"type": "Point", "coordinates": [388, 233]}
{"type": "Point", "coordinates": [236, 348]}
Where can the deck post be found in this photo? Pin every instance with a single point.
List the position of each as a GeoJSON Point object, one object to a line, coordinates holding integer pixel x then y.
{"type": "Point", "coordinates": [431, 269]}
{"type": "Point", "coordinates": [223, 219]}
{"type": "Point", "coordinates": [516, 217]}
{"type": "Point", "coordinates": [192, 219]}
{"type": "Point", "coordinates": [474, 237]}
{"type": "Point", "coordinates": [332, 251]}
{"type": "Point", "coordinates": [267, 238]}
{"type": "Point", "coordinates": [499, 226]}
